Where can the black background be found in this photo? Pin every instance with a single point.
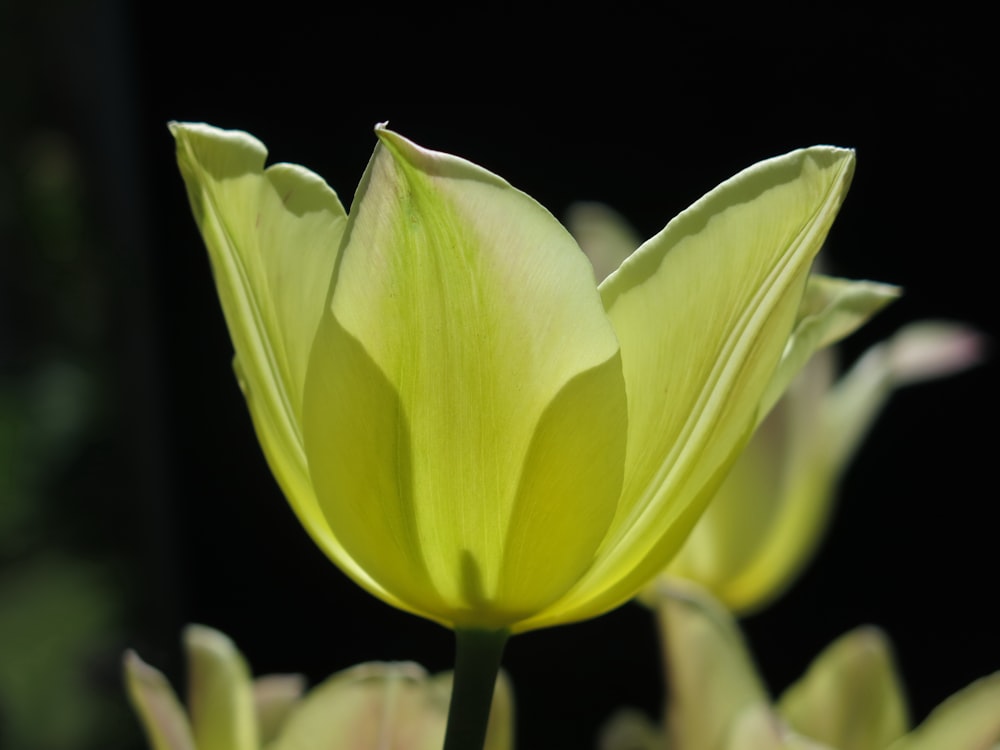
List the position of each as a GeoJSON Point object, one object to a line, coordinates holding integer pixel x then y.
{"type": "Point", "coordinates": [645, 112]}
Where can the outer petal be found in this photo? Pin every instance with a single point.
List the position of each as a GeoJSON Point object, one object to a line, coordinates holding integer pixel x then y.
{"type": "Point", "coordinates": [162, 715]}
{"type": "Point", "coordinates": [273, 237]}
{"type": "Point", "coordinates": [767, 515]}
{"type": "Point", "coordinates": [759, 728]}
{"type": "Point", "coordinates": [703, 312]}
{"type": "Point", "coordinates": [851, 698]}
{"type": "Point", "coordinates": [220, 692]}
{"type": "Point", "coordinates": [275, 697]}
{"type": "Point", "coordinates": [710, 673]}
{"type": "Point", "coordinates": [385, 707]}
{"type": "Point", "coordinates": [465, 417]}
{"type": "Point", "coordinates": [968, 720]}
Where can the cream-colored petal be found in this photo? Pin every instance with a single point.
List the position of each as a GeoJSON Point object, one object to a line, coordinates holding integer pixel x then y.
{"type": "Point", "coordinates": [968, 720]}
{"type": "Point", "coordinates": [703, 312]}
{"type": "Point", "coordinates": [381, 706]}
{"type": "Point", "coordinates": [465, 418]}
{"type": "Point", "coordinates": [603, 234]}
{"type": "Point", "coordinates": [220, 692]}
{"type": "Point", "coordinates": [275, 697]}
{"type": "Point", "coordinates": [375, 705]}
{"type": "Point", "coordinates": [758, 727]}
{"type": "Point", "coordinates": [273, 237]}
{"type": "Point", "coordinates": [710, 674]}
{"type": "Point", "coordinates": [162, 715]}
{"type": "Point", "coordinates": [851, 697]}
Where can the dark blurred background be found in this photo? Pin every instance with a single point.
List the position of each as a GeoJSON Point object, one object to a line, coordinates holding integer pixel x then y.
{"type": "Point", "coordinates": [134, 496]}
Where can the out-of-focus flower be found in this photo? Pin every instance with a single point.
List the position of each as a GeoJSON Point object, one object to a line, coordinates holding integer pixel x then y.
{"type": "Point", "coordinates": [767, 518]}
{"type": "Point", "coordinates": [463, 421]}
{"type": "Point", "coordinates": [375, 706]}
{"type": "Point", "coordinates": [851, 697]}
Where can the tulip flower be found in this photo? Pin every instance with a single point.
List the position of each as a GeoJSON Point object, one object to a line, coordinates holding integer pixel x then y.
{"type": "Point", "coordinates": [851, 697]}
{"type": "Point", "coordinates": [463, 421]}
{"type": "Point", "coordinates": [767, 519]}
{"type": "Point", "coordinates": [374, 706]}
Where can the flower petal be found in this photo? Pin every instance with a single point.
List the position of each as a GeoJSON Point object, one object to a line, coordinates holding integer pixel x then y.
{"type": "Point", "coordinates": [374, 705]}
{"type": "Point", "coordinates": [968, 720]}
{"type": "Point", "coordinates": [162, 715]}
{"type": "Point", "coordinates": [466, 415]}
{"type": "Point", "coordinates": [604, 236]}
{"type": "Point", "coordinates": [391, 706]}
{"type": "Point", "coordinates": [831, 309]}
{"type": "Point", "coordinates": [851, 697]}
{"type": "Point", "coordinates": [775, 501]}
{"type": "Point", "coordinates": [703, 312]}
{"type": "Point", "coordinates": [709, 670]}
{"type": "Point", "coordinates": [220, 692]}
{"type": "Point", "coordinates": [275, 697]}
{"type": "Point", "coordinates": [272, 236]}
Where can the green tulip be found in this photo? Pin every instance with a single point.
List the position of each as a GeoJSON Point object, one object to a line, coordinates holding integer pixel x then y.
{"type": "Point", "coordinates": [374, 706]}
{"type": "Point", "coordinates": [851, 697]}
{"type": "Point", "coordinates": [468, 425]}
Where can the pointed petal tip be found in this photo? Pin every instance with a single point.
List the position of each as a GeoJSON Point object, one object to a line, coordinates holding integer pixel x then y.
{"type": "Point", "coordinates": [202, 131]}
{"type": "Point", "coordinates": [202, 636]}
{"type": "Point", "coordinates": [133, 663]}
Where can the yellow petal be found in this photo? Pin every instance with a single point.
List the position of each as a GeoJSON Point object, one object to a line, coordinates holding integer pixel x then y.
{"type": "Point", "coordinates": [163, 717]}
{"type": "Point", "coordinates": [220, 692]}
{"type": "Point", "coordinates": [787, 509]}
{"type": "Point", "coordinates": [725, 551]}
{"type": "Point", "coordinates": [465, 417]}
{"type": "Point", "coordinates": [851, 697]}
{"type": "Point", "coordinates": [703, 311]}
{"type": "Point", "coordinates": [273, 236]}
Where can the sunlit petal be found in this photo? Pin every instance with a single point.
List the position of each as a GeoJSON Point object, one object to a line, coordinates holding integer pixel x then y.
{"type": "Point", "coordinates": [703, 311]}
{"type": "Point", "coordinates": [467, 416]}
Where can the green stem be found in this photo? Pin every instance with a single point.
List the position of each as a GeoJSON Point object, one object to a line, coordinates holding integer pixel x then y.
{"type": "Point", "coordinates": [477, 661]}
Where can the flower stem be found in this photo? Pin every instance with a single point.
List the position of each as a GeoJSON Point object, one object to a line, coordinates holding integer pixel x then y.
{"type": "Point", "coordinates": [477, 661]}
